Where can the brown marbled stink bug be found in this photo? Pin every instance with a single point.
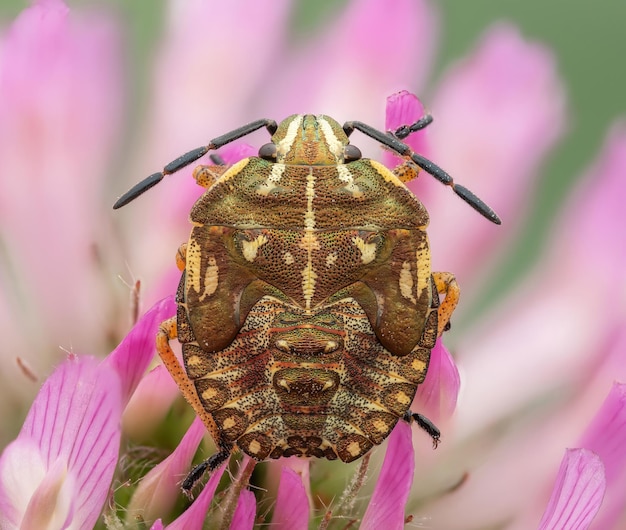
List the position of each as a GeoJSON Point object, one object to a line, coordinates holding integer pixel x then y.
{"type": "Point", "coordinates": [307, 308]}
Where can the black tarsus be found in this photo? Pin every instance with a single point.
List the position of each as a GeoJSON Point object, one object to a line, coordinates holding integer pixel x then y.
{"type": "Point", "coordinates": [405, 130]}
{"type": "Point", "coordinates": [424, 423]}
{"type": "Point", "coordinates": [210, 464]}
{"type": "Point", "coordinates": [192, 156]}
{"type": "Point", "coordinates": [393, 141]}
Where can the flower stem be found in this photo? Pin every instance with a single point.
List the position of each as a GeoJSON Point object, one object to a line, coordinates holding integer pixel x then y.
{"type": "Point", "coordinates": [232, 496]}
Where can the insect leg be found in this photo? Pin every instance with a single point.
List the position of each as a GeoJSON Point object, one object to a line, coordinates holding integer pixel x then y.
{"type": "Point", "coordinates": [192, 156]}
{"type": "Point", "coordinates": [181, 257]}
{"type": "Point", "coordinates": [424, 423]}
{"type": "Point", "coordinates": [392, 142]}
{"type": "Point", "coordinates": [167, 331]}
{"type": "Point", "coordinates": [405, 130]}
{"type": "Point", "coordinates": [446, 284]}
{"type": "Point", "coordinates": [210, 464]}
{"type": "Point", "coordinates": [406, 171]}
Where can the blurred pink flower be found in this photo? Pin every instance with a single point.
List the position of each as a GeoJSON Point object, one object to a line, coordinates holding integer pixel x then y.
{"type": "Point", "coordinates": [60, 114]}
{"type": "Point", "coordinates": [534, 368]}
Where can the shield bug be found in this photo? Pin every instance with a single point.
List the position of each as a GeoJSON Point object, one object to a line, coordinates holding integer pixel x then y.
{"type": "Point", "coordinates": [307, 307]}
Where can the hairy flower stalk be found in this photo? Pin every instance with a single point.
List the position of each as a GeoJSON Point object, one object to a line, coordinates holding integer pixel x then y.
{"type": "Point", "coordinates": [107, 443]}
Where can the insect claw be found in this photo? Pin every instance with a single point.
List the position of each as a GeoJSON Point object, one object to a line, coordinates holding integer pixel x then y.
{"type": "Point", "coordinates": [405, 130]}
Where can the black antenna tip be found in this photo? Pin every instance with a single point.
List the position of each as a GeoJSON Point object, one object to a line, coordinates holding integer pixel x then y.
{"type": "Point", "coordinates": [476, 203]}
{"type": "Point", "coordinates": [138, 189]}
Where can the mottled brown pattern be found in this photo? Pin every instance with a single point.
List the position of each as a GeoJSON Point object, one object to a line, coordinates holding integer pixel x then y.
{"type": "Point", "coordinates": [292, 384]}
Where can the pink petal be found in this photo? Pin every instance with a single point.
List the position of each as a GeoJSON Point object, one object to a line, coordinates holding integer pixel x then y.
{"type": "Point", "coordinates": [606, 437]}
{"type": "Point", "coordinates": [73, 422]}
{"type": "Point", "coordinates": [292, 502]}
{"type": "Point", "coordinates": [386, 506]}
{"type": "Point", "coordinates": [193, 518]}
{"type": "Point", "coordinates": [237, 151]}
{"type": "Point", "coordinates": [404, 108]}
{"type": "Point", "coordinates": [577, 494]}
{"type": "Point", "coordinates": [149, 404]}
{"type": "Point", "coordinates": [159, 489]}
{"type": "Point", "coordinates": [496, 114]}
{"type": "Point", "coordinates": [51, 502]}
{"type": "Point", "coordinates": [436, 397]}
{"type": "Point", "coordinates": [20, 459]}
{"type": "Point", "coordinates": [243, 519]}
{"type": "Point", "coordinates": [132, 357]}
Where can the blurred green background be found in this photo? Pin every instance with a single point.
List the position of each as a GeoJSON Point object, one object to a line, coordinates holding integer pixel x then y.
{"type": "Point", "coordinates": [587, 38]}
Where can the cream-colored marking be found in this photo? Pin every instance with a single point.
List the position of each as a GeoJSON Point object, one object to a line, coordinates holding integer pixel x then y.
{"type": "Point", "coordinates": [194, 360]}
{"type": "Point", "coordinates": [283, 383]}
{"type": "Point", "coordinates": [288, 257]}
{"type": "Point", "coordinates": [210, 278]}
{"type": "Point", "coordinates": [422, 264]}
{"type": "Point", "coordinates": [229, 423]}
{"type": "Point", "coordinates": [402, 398]}
{"type": "Point", "coordinates": [406, 282]}
{"type": "Point", "coordinates": [234, 170]}
{"type": "Point", "coordinates": [309, 243]}
{"type": "Point", "coordinates": [254, 447]}
{"type": "Point", "coordinates": [334, 144]}
{"type": "Point", "coordinates": [308, 284]}
{"type": "Point", "coordinates": [209, 394]}
{"type": "Point", "coordinates": [331, 346]}
{"type": "Point", "coordinates": [271, 182]}
{"type": "Point", "coordinates": [386, 174]}
{"type": "Point", "coordinates": [353, 448]}
{"type": "Point", "coordinates": [309, 240]}
{"type": "Point", "coordinates": [250, 248]}
{"type": "Point", "coordinates": [345, 175]}
{"type": "Point", "coordinates": [380, 426]}
{"type": "Point", "coordinates": [327, 385]}
{"type": "Point", "coordinates": [368, 250]}
{"type": "Point", "coordinates": [192, 269]}
{"type": "Point", "coordinates": [418, 366]}
{"type": "Point", "coordinates": [284, 146]}
{"type": "Point", "coordinates": [282, 344]}
{"type": "Point", "coordinates": [331, 259]}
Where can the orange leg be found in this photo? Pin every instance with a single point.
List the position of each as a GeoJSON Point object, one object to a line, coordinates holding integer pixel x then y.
{"type": "Point", "coordinates": [181, 257]}
{"type": "Point", "coordinates": [206, 176]}
{"type": "Point", "coordinates": [406, 171]}
{"type": "Point", "coordinates": [167, 331]}
{"type": "Point", "coordinates": [446, 284]}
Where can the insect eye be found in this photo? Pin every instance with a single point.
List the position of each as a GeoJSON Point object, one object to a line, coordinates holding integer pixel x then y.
{"type": "Point", "coordinates": [351, 153]}
{"type": "Point", "coordinates": [268, 152]}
